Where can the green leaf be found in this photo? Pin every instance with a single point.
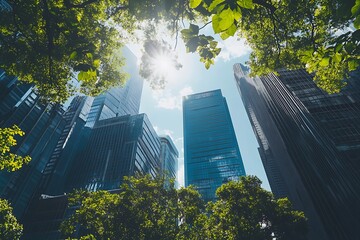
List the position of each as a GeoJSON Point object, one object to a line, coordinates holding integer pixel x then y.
{"type": "Point", "coordinates": [226, 19]}
{"type": "Point", "coordinates": [73, 55]}
{"type": "Point", "coordinates": [82, 76]}
{"type": "Point", "coordinates": [357, 22]}
{"type": "Point", "coordinates": [231, 30]}
{"type": "Point", "coordinates": [207, 64]}
{"type": "Point", "coordinates": [337, 58]}
{"type": "Point", "coordinates": [89, 55]}
{"type": "Point", "coordinates": [96, 63]}
{"type": "Point", "coordinates": [213, 44]}
{"type": "Point", "coordinates": [324, 62]}
{"type": "Point", "coordinates": [246, 4]}
{"type": "Point", "coordinates": [338, 47]}
{"type": "Point", "coordinates": [353, 64]}
{"type": "Point", "coordinates": [215, 23]}
{"type": "Point", "coordinates": [192, 44]}
{"type": "Point", "coordinates": [194, 29]}
{"type": "Point", "coordinates": [355, 10]}
{"type": "Point", "coordinates": [194, 3]}
{"type": "Point", "coordinates": [214, 4]}
{"type": "Point", "coordinates": [237, 14]}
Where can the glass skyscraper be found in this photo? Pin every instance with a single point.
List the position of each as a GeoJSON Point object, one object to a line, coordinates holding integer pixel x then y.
{"type": "Point", "coordinates": [42, 123]}
{"type": "Point", "coordinates": [212, 156]}
{"type": "Point", "coordinates": [309, 146]}
{"type": "Point", "coordinates": [119, 101]}
{"type": "Point", "coordinates": [117, 147]}
{"type": "Point", "coordinates": [168, 157]}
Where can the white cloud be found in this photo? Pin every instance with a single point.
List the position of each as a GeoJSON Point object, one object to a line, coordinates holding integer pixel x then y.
{"type": "Point", "coordinates": [186, 91]}
{"type": "Point", "coordinates": [164, 132]}
{"type": "Point", "coordinates": [167, 100]}
{"type": "Point", "coordinates": [233, 47]}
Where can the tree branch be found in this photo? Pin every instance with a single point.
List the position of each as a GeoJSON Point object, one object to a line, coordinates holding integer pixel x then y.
{"type": "Point", "coordinates": [205, 25]}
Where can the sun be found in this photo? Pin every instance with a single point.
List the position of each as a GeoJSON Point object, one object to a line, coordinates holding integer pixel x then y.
{"type": "Point", "coordinates": [164, 65]}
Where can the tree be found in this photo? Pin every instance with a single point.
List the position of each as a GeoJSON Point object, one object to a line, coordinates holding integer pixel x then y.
{"type": "Point", "coordinates": [10, 229]}
{"type": "Point", "coordinates": [145, 209]}
{"type": "Point", "coordinates": [51, 42]}
{"type": "Point", "coordinates": [246, 211]}
{"type": "Point", "coordinates": [291, 34]}
{"type": "Point", "coordinates": [8, 160]}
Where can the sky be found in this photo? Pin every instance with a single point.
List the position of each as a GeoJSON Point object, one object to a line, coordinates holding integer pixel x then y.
{"type": "Point", "coordinates": [164, 107]}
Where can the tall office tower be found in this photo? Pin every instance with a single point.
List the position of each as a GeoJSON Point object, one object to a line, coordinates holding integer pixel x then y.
{"type": "Point", "coordinates": [73, 139]}
{"type": "Point", "coordinates": [119, 101]}
{"type": "Point", "coordinates": [5, 6]}
{"type": "Point", "coordinates": [117, 147]}
{"type": "Point", "coordinates": [212, 155]}
{"type": "Point", "coordinates": [168, 157]}
{"type": "Point", "coordinates": [42, 124]}
{"type": "Point", "coordinates": [309, 143]}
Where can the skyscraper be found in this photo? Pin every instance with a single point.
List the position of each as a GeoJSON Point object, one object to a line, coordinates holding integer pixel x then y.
{"type": "Point", "coordinates": [4, 6]}
{"type": "Point", "coordinates": [117, 147]}
{"type": "Point", "coordinates": [309, 142]}
{"type": "Point", "coordinates": [168, 156]}
{"type": "Point", "coordinates": [212, 155]}
{"type": "Point", "coordinates": [119, 101]}
{"type": "Point", "coordinates": [42, 124]}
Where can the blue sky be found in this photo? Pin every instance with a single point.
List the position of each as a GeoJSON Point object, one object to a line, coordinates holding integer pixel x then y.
{"type": "Point", "coordinates": [164, 108]}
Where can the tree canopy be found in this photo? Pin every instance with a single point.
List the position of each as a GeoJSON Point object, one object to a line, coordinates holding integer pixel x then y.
{"type": "Point", "coordinates": [10, 229]}
{"type": "Point", "coordinates": [145, 209]}
{"type": "Point", "coordinates": [293, 34]}
{"type": "Point", "coordinates": [10, 161]}
{"type": "Point", "coordinates": [53, 42]}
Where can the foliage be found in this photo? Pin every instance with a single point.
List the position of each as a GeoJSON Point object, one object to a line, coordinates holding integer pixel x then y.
{"type": "Point", "coordinates": [10, 229]}
{"type": "Point", "coordinates": [291, 34]}
{"type": "Point", "coordinates": [145, 209]}
{"type": "Point", "coordinates": [51, 42]}
{"type": "Point", "coordinates": [246, 211]}
{"type": "Point", "coordinates": [8, 160]}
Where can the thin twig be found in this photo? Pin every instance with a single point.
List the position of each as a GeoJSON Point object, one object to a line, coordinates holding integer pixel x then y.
{"type": "Point", "coordinates": [205, 25]}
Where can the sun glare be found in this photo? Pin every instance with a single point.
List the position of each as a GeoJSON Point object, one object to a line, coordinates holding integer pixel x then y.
{"type": "Point", "coordinates": [163, 64]}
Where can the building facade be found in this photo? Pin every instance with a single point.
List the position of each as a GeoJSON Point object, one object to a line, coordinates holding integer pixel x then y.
{"type": "Point", "coordinates": [119, 101]}
{"type": "Point", "coordinates": [117, 147]}
{"type": "Point", "coordinates": [42, 123]}
{"type": "Point", "coordinates": [308, 146]}
{"type": "Point", "coordinates": [168, 157]}
{"type": "Point", "coordinates": [212, 156]}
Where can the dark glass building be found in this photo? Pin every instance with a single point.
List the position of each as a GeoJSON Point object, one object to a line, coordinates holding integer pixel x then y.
{"type": "Point", "coordinates": [73, 139]}
{"type": "Point", "coordinates": [309, 146]}
{"type": "Point", "coordinates": [117, 147]}
{"type": "Point", "coordinates": [212, 155]}
{"type": "Point", "coordinates": [42, 124]}
{"type": "Point", "coordinates": [4, 6]}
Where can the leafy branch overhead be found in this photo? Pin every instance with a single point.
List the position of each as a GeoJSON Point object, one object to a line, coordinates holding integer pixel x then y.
{"type": "Point", "coordinates": [296, 34]}
{"type": "Point", "coordinates": [63, 46]}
